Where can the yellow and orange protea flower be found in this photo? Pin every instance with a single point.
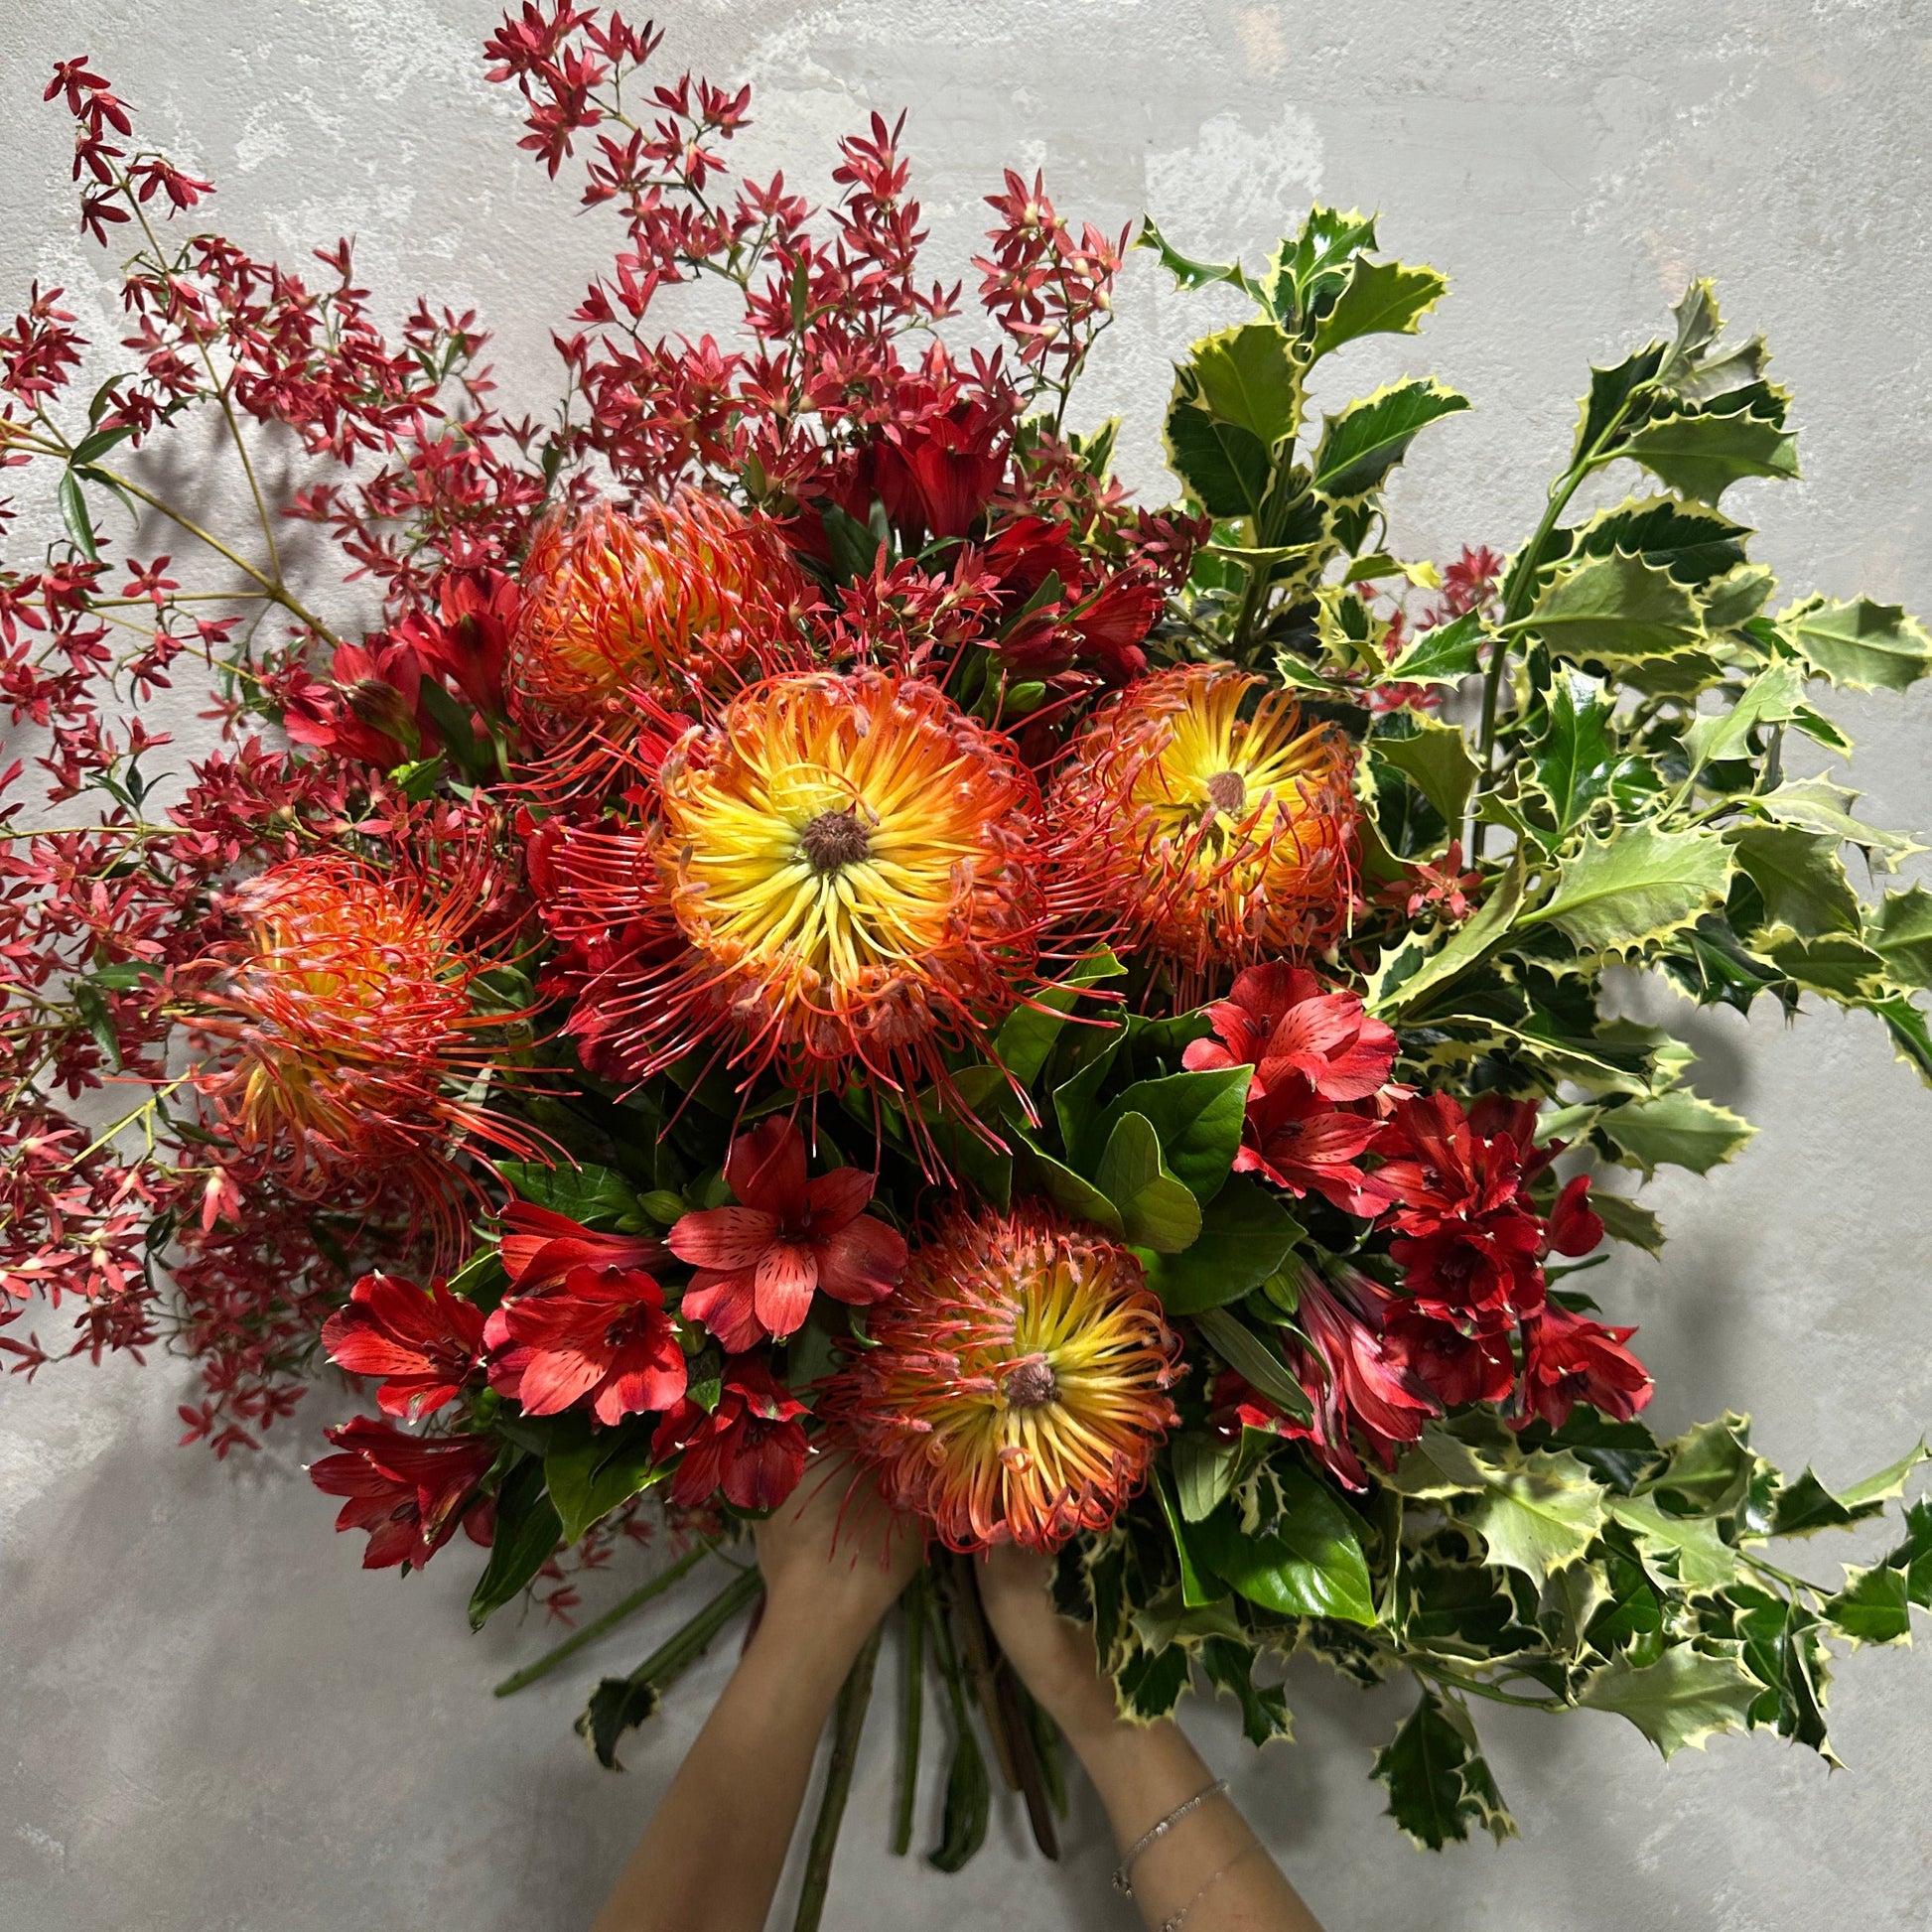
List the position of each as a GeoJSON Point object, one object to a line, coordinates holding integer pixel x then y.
{"type": "Point", "coordinates": [681, 598]}
{"type": "Point", "coordinates": [1221, 829]}
{"type": "Point", "coordinates": [1015, 1386]}
{"type": "Point", "coordinates": [346, 1040]}
{"type": "Point", "coordinates": [837, 875]}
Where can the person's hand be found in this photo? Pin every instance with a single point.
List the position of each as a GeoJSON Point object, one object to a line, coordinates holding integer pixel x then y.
{"type": "Point", "coordinates": [1054, 1656]}
{"type": "Point", "coordinates": [834, 1557]}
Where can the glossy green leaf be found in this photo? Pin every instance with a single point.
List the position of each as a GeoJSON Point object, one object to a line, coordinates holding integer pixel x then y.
{"type": "Point", "coordinates": [1186, 272]}
{"type": "Point", "coordinates": [1902, 936]}
{"type": "Point", "coordinates": [1625, 1221]}
{"type": "Point", "coordinates": [1225, 468]}
{"type": "Point", "coordinates": [1156, 1210]}
{"type": "Point", "coordinates": [1198, 1116]}
{"type": "Point", "coordinates": [1693, 543]}
{"type": "Point", "coordinates": [1818, 805]}
{"type": "Point", "coordinates": [1573, 760]}
{"type": "Point", "coordinates": [1247, 376]}
{"type": "Point", "coordinates": [1310, 1566]}
{"type": "Point", "coordinates": [1264, 1706]}
{"type": "Point", "coordinates": [1703, 453]}
{"type": "Point", "coordinates": [587, 1480]}
{"type": "Point", "coordinates": [1772, 697]}
{"type": "Point", "coordinates": [1540, 1516]}
{"type": "Point", "coordinates": [1254, 1360]}
{"type": "Point", "coordinates": [1028, 1033]}
{"type": "Point", "coordinates": [1308, 270]}
{"type": "Point", "coordinates": [1245, 1235]}
{"type": "Point", "coordinates": [1464, 947]}
{"type": "Point", "coordinates": [598, 1198]}
{"type": "Point", "coordinates": [1688, 1548]}
{"type": "Point", "coordinates": [1438, 1783]}
{"type": "Point", "coordinates": [1203, 1472]}
{"type": "Point", "coordinates": [1710, 1467]}
{"type": "Point", "coordinates": [1640, 884]}
{"type": "Point", "coordinates": [1799, 877]}
{"type": "Point", "coordinates": [1437, 756]}
{"type": "Point", "coordinates": [527, 1530]}
{"type": "Point", "coordinates": [1072, 1193]}
{"type": "Point", "coordinates": [1366, 441]}
{"type": "Point", "coordinates": [1443, 654]}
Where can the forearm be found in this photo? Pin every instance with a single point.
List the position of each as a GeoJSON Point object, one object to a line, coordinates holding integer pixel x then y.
{"type": "Point", "coordinates": [711, 1859]}
{"type": "Point", "coordinates": [1209, 1863]}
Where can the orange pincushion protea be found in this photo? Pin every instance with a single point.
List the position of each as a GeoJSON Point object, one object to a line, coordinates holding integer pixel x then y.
{"type": "Point", "coordinates": [684, 597]}
{"type": "Point", "coordinates": [1224, 838]}
{"type": "Point", "coordinates": [1016, 1388]}
{"type": "Point", "coordinates": [345, 1025]}
{"type": "Point", "coordinates": [840, 870]}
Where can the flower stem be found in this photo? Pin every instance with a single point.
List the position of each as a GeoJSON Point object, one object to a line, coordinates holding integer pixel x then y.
{"type": "Point", "coordinates": [912, 1708]}
{"type": "Point", "coordinates": [848, 1725]}
{"type": "Point", "coordinates": [610, 1620]}
{"type": "Point", "coordinates": [679, 1652]}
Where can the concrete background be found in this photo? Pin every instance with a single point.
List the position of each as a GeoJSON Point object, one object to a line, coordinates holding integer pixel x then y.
{"type": "Point", "coordinates": [212, 1721]}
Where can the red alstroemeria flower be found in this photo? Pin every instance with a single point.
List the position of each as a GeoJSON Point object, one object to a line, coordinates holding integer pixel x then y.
{"type": "Point", "coordinates": [600, 1334]}
{"type": "Point", "coordinates": [1314, 1053]}
{"type": "Point", "coordinates": [1456, 1368]}
{"type": "Point", "coordinates": [1368, 1382]}
{"type": "Point", "coordinates": [424, 1344]}
{"type": "Point", "coordinates": [1469, 1242]}
{"type": "Point", "coordinates": [760, 1263]}
{"type": "Point", "coordinates": [1234, 1404]}
{"type": "Point", "coordinates": [752, 1445]}
{"type": "Point", "coordinates": [1280, 1019]}
{"type": "Point", "coordinates": [1352, 1371]}
{"type": "Point", "coordinates": [409, 1494]}
{"type": "Point", "coordinates": [1568, 1358]}
{"type": "Point", "coordinates": [1575, 1227]}
{"type": "Point", "coordinates": [540, 1247]}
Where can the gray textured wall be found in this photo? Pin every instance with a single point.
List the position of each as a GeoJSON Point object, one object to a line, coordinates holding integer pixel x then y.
{"type": "Point", "coordinates": [211, 1719]}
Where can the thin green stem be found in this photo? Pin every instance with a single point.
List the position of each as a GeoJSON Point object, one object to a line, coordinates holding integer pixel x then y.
{"type": "Point", "coordinates": [276, 593]}
{"type": "Point", "coordinates": [1476, 1687]}
{"type": "Point", "coordinates": [1517, 593]}
{"type": "Point", "coordinates": [221, 387]}
{"type": "Point", "coordinates": [610, 1620]}
{"type": "Point", "coordinates": [1784, 1576]}
{"type": "Point", "coordinates": [848, 1726]}
{"type": "Point", "coordinates": [684, 1647]}
{"type": "Point", "coordinates": [145, 1109]}
{"type": "Point", "coordinates": [912, 1708]}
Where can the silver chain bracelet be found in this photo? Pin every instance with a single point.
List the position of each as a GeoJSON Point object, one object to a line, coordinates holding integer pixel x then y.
{"type": "Point", "coordinates": [1160, 1830]}
{"type": "Point", "coordinates": [1176, 1920]}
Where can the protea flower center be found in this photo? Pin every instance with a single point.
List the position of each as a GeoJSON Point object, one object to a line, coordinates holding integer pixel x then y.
{"type": "Point", "coordinates": [1029, 1384]}
{"type": "Point", "coordinates": [1016, 1388]}
{"type": "Point", "coordinates": [833, 840]}
{"type": "Point", "coordinates": [1202, 805]}
{"type": "Point", "coordinates": [1227, 792]}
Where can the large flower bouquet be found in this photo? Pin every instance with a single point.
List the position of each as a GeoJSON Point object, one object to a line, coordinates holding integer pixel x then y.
{"type": "Point", "coordinates": [806, 918]}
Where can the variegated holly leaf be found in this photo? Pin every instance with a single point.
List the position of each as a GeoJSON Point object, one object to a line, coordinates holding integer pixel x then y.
{"type": "Point", "coordinates": [1865, 645]}
{"type": "Point", "coordinates": [1622, 890]}
{"type": "Point", "coordinates": [1683, 1699]}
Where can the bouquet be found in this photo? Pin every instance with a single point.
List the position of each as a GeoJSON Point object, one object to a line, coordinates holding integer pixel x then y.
{"type": "Point", "coordinates": [810, 922]}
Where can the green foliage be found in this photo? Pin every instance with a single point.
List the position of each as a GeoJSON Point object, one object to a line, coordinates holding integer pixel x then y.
{"type": "Point", "coordinates": [527, 1530]}
{"type": "Point", "coordinates": [1689, 1693]}
{"type": "Point", "coordinates": [1612, 763]}
{"type": "Point", "coordinates": [1364, 442]}
{"type": "Point", "coordinates": [1438, 1782]}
